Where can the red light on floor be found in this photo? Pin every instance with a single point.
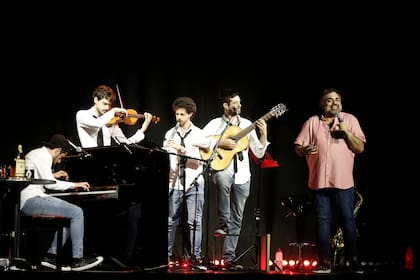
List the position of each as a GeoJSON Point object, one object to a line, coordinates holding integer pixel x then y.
{"type": "Point", "coordinates": [292, 265]}
{"type": "Point", "coordinates": [306, 263]}
{"type": "Point", "coordinates": [171, 264]}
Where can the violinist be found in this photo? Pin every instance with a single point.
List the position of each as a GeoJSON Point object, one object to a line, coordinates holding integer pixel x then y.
{"type": "Point", "coordinates": [98, 125]}
{"type": "Point", "coordinates": [103, 118]}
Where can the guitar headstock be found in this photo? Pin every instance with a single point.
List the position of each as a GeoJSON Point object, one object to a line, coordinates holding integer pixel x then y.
{"type": "Point", "coordinates": [278, 110]}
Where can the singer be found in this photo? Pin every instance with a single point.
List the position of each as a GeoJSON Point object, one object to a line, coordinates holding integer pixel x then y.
{"type": "Point", "coordinates": [186, 185]}
{"type": "Point", "coordinates": [233, 181]}
{"type": "Point", "coordinates": [330, 160]}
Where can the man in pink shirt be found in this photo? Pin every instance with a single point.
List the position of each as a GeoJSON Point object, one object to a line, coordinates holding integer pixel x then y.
{"type": "Point", "coordinates": [329, 142]}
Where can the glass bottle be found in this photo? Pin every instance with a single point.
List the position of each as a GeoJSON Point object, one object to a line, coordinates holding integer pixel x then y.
{"type": "Point", "coordinates": [20, 163]}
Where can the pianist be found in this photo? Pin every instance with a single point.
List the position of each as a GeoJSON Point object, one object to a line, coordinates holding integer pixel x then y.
{"type": "Point", "coordinates": [35, 201]}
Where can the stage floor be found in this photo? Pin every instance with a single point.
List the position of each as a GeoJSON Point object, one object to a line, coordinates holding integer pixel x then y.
{"type": "Point", "coordinates": [109, 271]}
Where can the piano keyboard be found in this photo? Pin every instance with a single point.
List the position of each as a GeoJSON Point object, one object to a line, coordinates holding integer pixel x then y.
{"type": "Point", "coordinates": [97, 193]}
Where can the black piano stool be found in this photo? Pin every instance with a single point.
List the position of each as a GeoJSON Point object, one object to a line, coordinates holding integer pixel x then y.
{"type": "Point", "coordinates": [51, 223]}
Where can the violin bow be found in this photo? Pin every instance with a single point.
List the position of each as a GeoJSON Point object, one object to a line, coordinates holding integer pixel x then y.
{"type": "Point", "coordinates": [119, 95]}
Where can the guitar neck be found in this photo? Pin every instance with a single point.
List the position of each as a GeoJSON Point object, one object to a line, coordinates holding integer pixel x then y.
{"type": "Point", "coordinates": [248, 129]}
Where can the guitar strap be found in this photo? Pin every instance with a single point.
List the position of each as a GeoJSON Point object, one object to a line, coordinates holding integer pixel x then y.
{"type": "Point", "coordinates": [237, 156]}
{"type": "Point", "coordinates": [235, 164]}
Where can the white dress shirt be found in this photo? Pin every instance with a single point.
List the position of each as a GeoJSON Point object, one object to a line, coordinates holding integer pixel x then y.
{"type": "Point", "coordinates": [88, 125]}
{"type": "Point", "coordinates": [243, 172]}
{"type": "Point", "coordinates": [41, 161]}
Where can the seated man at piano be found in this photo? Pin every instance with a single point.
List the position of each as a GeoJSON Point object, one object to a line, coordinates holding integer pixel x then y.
{"type": "Point", "coordinates": [35, 201]}
{"type": "Point", "coordinates": [99, 125]}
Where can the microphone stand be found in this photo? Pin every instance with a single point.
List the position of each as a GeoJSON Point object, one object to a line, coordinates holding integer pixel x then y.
{"type": "Point", "coordinates": [207, 170]}
{"type": "Point", "coordinates": [81, 152]}
{"type": "Point", "coordinates": [257, 215]}
{"type": "Point", "coordinates": [182, 159]}
{"type": "Point", "coordinates": [195, 184]}
{"type": "Point", "coordinates": [181, 173]}
{"type": "Point", "coordinates": [212, 156]}
{"type": "Point", "coordinates": [124, 145]}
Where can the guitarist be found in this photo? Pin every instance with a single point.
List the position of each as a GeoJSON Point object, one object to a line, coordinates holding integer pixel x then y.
{"type": "Point", "coordinates": [233, 182]}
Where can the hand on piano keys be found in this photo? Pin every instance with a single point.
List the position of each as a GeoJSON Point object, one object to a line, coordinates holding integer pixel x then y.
{"type": "Point", "coordinates": [82, 186]}
{"type": "Point", "coordinates": [61, 175]}
{"type": "Point", "coordinates": [95, 193]}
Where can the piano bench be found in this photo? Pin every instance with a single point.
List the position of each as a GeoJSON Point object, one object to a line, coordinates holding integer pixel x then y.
{"type": "Point", "coordinates": [57, 224]}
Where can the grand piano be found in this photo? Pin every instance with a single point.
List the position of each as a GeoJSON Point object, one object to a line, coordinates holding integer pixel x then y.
{"type": "Point", "coordinates": [126, 181]}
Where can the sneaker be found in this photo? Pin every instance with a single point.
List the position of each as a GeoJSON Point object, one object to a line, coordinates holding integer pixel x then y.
{"type": "Point", "coordinates": [220, 232]}
{"type": "Point", "coordinates": [322, 269]}
{"type": "Point", "coordinates": [49, 261]}
{"type": "Point", "coordinates": [85, 263]}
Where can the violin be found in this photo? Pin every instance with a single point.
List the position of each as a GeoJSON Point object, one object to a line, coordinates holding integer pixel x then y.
{"type": "Point", "coordinates": [130, 118]}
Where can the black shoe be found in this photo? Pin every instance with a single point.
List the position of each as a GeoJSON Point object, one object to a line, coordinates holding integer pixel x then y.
{"type": "Point", "coordinates": [198, 264]}
{"type": "Point", "coordinates": [85, 263]}
{"type": "Point", "coordinates": [49, 261]}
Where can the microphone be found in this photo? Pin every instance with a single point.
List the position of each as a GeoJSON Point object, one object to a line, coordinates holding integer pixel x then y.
{"type": "Point", "coordinates": [174, 131]}
{"type": "Point", "coordinates": [340, 118]}
{"type": "Point", "coordinates": [172, 135]}
{"type": "Point", "coordinates": [79, 149]}
{"type": "Point", "coordinates": [235, 111]}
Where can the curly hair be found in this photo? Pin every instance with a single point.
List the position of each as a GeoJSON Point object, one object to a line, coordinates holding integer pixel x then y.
{"type": "Point", "coordinates": [187, 103]}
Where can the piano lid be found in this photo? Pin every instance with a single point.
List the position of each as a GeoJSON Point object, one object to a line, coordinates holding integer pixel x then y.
{"type": "Point", "coordinates": [116, 165]}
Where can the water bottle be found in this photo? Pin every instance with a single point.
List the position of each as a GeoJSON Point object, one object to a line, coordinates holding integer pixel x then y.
{"type": "Point", "coordinates": [278, 260]}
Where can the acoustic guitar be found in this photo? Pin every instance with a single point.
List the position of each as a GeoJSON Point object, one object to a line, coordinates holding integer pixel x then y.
{"type": "Point", "coordinates": [223, 157]}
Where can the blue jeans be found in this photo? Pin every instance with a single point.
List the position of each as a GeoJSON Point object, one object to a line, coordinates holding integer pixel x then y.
{"type": "Point", "coordinates": [231, 200]}
{"type": "Point", "coordinates": [50, 205]}
{"type": "Point", "coordinates": [195, 214]}
{"type": "Point", "coordinates": [343, 202]}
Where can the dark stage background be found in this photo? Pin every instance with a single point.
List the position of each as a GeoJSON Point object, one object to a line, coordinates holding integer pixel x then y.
{"type": "Point", "coordinates": [52, 75]}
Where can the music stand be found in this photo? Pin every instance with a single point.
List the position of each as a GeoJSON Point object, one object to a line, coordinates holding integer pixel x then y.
{"type": "Point", "coordinates": [265, 162]}
{"type": "Point", "coordinates": [298, 206]}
